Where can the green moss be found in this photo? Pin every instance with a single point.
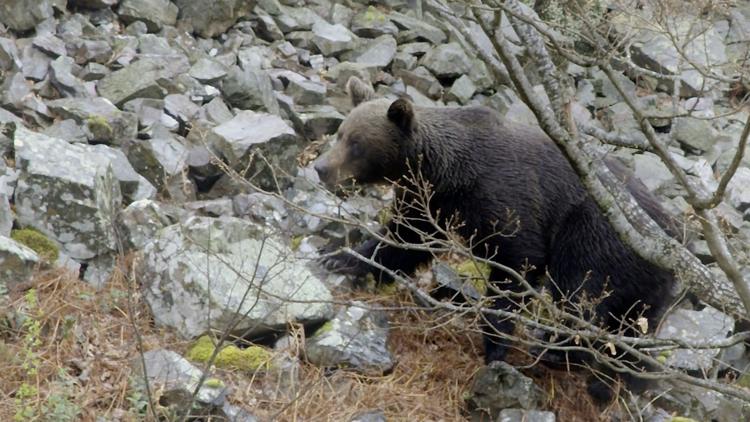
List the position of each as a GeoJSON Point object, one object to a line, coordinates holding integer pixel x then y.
{"type": "Point", "coordinates": [682, 419]}
{"type": "Point", "coordinates": [230, 356]}
{"type": "Point", "coordinates": [328, 326]}
{"type": "Point", "coordinates": [214, 383]}
{"type": "Point", "coordinates": [36, 241]}
{"type": "Point", "coordinates": [374, 15]}
{"type": "Point", "coordinates": [477, 274]}
{"type": "Point", "coordinates": [295, 242]}
{"type": "Point", "coordinates": [744, 381]}
{"type": "Point", "coordinates": [99, 127]}
{"type": "Point", "coordinates": [384, 216]}
{"type": "Point", "coordinates": [663, 356]}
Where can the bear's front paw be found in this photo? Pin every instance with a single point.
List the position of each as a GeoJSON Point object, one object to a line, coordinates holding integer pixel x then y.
{"type": "Point", "coordinates": [343, 263]}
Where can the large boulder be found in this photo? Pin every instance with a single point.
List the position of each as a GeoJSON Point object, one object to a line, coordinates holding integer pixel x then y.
{"type": "Point", "coordinates": [209, 273]}
{"type": "Point", "coordinates": [69, 192]}
{"type": "Point", "coordinates": [22, 15]}
{"type": "Point", "coordinates": [209, 19]}
{"type": "Point", "coordinates": [142, 79]}
{"type": "Point", "coordinates": [17, 262]}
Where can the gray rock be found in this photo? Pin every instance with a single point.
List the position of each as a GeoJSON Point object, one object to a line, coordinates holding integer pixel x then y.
{"type": "Point", "coordinates": [61, 73]}
{"type": "Point", "coordinates": [217, 111]}
{"type": "Point", "coordinates": [140, 221]}
{"type": "Point", "coordinates": [738, 191]}
{"type": "Point", "coordinates": [10, 59]}
{"type": "Point", "coordinates": [342, 15]}
{"type": "Point", "coordinates": [403, 61]}
{"type": "Point", "coordinates": [181, 107]}
{"type": "Point", "coordinates": [94, 4]}
{"type": "Point", "coordinates": [147, 110]}
{"type": "Point", "coordinates": [152, 44]}
{"type": "Point", "coordinates": [655, 51]}
{"type": "Point", "coordinates": [421, 79]}
{"type": "Point", "coordinates": [378, 53]}
{"type": "Point", "coordinates": [523, 415]}
{"type": "Point", "coordinates": [6, 214]}
{"type": "Point", "coordinates": [141, 79]}
{"type": "Point", "coordinates": [15, 91]}
{"type": "Point", "coordinates": [17, 263]}
{"type": "Point", "coordinates": [211, 207]}
{"type": "Point", "coordinates": [34, 63]}
{"type": "Point", "coordinates": [209, 19]}
{"type": "Point", "coordinates": [652, 172]}
{"type": "Point", "coordinates": [255, 57]}
{"type": "Point", "coordinates": [20, 15]}
{"type": "Point", "coordinates": [67, 192]}
{"type": "Point", "coordinates": [176, 378]}
{"type": "Point", "coordinates": [99, 270]}
{"type": "Point", "coordinates": [90, 51]}
{"type": "Point", "coordinates": [249, 134]}
{"type": "Point", "coordinates": [447, 61]}
{"type": "Point", "coordinates": [50, 44]}
{"type": "Point", "coordinates": [372, 23]}
{"type": "Point", "coordinates": [249, 89]}
{"type": "Point", "coordinates": [416, 29]}
{"type": "Point", "coordinates": [450, 283]}
{"type": "Point", "coordinates": [133, 185]}
{"type": "Point", "coordinates": [698, 327]}
{"type": "Point", "coordinates": [418, 49]}
{"type": "Point", "coordinates": [67, 130]}
{"type": "Point", "coordinates": [196, 275]}
{"type": "Point", "coordinates": [500, 386]}
{"type": "Point", "coordinates": [104, 122]}
{"type": "Point", "coordinates": [355, 338]}
{"type": "Point", "coordinates": [161, 159]}
{"type": "Point", "coordinates": [332, 40]}
{"type": "Point", "coordinates": [320, 120]}
{"type": "Point", "coordinates": [154, 13]}
{"type": "Point", "coordinates": [369, 416]}
{"type": "Point", "coordinates": [462, 90]}
{"type": "Point", "coordinates": [306, 92]}
{"type": "Point", "coordinates": [694, 134]}
{"type": "Point", "coordinates": [267, 27]}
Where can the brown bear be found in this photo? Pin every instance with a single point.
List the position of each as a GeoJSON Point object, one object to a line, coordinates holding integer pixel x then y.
{"type": "Point", "coordinates": [493, 174]}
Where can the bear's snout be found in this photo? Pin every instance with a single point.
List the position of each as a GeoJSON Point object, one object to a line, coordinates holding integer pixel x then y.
{"type": "Point", "coordinates": [323, 169]}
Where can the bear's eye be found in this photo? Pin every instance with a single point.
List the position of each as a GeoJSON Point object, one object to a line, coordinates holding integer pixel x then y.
{"type": "Point", "coordinates": [355, 147]}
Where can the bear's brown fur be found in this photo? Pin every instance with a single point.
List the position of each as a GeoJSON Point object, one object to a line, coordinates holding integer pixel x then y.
{"type": "Point", "coordinates": [494, 175]}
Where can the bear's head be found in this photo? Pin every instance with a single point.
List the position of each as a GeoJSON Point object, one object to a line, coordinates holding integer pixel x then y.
{"type": "Point", "coordinates": [371, 140]}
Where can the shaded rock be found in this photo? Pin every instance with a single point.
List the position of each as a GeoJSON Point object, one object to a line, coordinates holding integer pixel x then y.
{"type": "Point", "coordinates": [462, 90]}
{"type": "Point", "coordinates": [255, 58]}
{"type": "Point", "coordinates": [162, 159]}
{"type": "Point", "coordinates": [378, 53]}
{"type": "Point", "coordinates": [141, 79]}
{"type": "Point", "coordinates": [196, 275]}
{"type": "Point", "coordinates": [413, 29]}
{"type": "Point", "coordinates": [342, 15]}
{"type": "Point", "coordinates": [6, 214]}
{"type": "Point", "coordinates": [447, 61]}
{"type": "Point", "coordinates": [217, 111]}
{"type": "Point", "coordinates": [99, 270]}
{"type": "Point", "coordinates": [177, 379]}
{"type": "Point", "coordinates": [209, 19]}
{"type": "Point", "coordinates": [208, 71]}
{"type": "Point", "coordinates": [154, 13]}
{"type": "Point", "coordinates": [267, 27]}
{"type": "Point", "coordinates": [522, 415]}
{"type": "Point", "coordinates": [67, 192]}
{"type": "Point", "coordinates": [17, 263]}
{"type": "Point", "coordinates": [651, 170]}
{"type": "Point", "coordinates": [140, 221]}
{"type": "Point", "coordinates": [133, 185]}
{"type": "Point", "coordinates": [738, 190]}
{"type": "Point", "coordinates": [694, 134]}
{"type": "Point", "coordinates": [249, 89]}
{"type": "Point", "coordinates": [500, 386]}
{"type": "Point", "coordinates": [369, 416]}
{"type": "Point", "coordinates": [372, 23]}
{"type": "Point", "coordinates": [306, 92]}
{"type": "Point", "coordinates": [249, 134]}
{"type": "Point", "coordinates": [10, 59]}
{"type": "Point", "coordinates": [355, 338]}
{"type": "Point", "coordinates": [90, 51]}
{"type": "Point", "coordinates": [67, 130]}
{"type": "Point", "coordinates": [181, 107]}
{"type": "Point", "coordinates": [421, 79]}
{"type": "Point", "coordinates": [34, 63]}
{"type": "Point", "coordinates": [449, 284]}
{"type": "Point", "coordinates": [15, 91]}
{"type": "Point", "coordinates": [403, 61]}
{"type": "Point", "coordinates": [22, 15]}
{"type": "Point", "coordinates": [105, 122]}
{"type": "Point", "coordinates": [656, 51]}
{"type": "Point", "coordinates": [94, 4]}
{"type": "Point", "coordinates": [332, 39]}
{"type": "Point", "coordinates": [690, 326]}
{"type": "Point", "coordinates": [61, 73]}
{"type": "Point", "coordinates": [320, 120]}
{"type": "Point", "coordinates": [211, 207]}
{"type": "Point", "coordinates": [50, 44]}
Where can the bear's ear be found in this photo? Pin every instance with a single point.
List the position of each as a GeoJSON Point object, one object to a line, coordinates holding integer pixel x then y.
{"type": "Point", "coordinates": [401, 113]}
{"type": "Point", "coordinates": [359, 91]}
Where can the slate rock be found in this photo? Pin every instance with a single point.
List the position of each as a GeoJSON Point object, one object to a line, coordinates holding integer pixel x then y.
{"type": "Point", "coordinates": [17, 263]}
{"type": "Point", "coordinates": [372, 23]}
{"type": "Point", "coordinates": [209, 19]}
{"type": "Point", "coordinates": [141, 79]}
{"type": "Point", "coordinates": [332, 40]}
{"type": "Point", "coordinates": [249, 89]}
{"type": "Point", "coordinates": [154, 13]}
{"type": "Point", "coordinates": [447, 61]}
{"type": "Point", "coordinates": [22, 15]}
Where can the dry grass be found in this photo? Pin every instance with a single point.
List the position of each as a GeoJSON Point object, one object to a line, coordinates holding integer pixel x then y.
{"type": "Point", "coordinates": [90, 335]}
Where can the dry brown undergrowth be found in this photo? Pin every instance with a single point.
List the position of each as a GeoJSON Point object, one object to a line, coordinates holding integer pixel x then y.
{"type": "Point", "coordinates": [89, 335]}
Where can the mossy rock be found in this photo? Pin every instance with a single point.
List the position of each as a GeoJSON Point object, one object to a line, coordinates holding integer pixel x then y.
{"type": "Point", "coordinates": [250, 359]}
{"type": "Point", "coordinates": [475, 273]}
{"type": "Point", "coordinates": [39, 243]}
{"type": "Point", "coordinates": [100, 128]}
